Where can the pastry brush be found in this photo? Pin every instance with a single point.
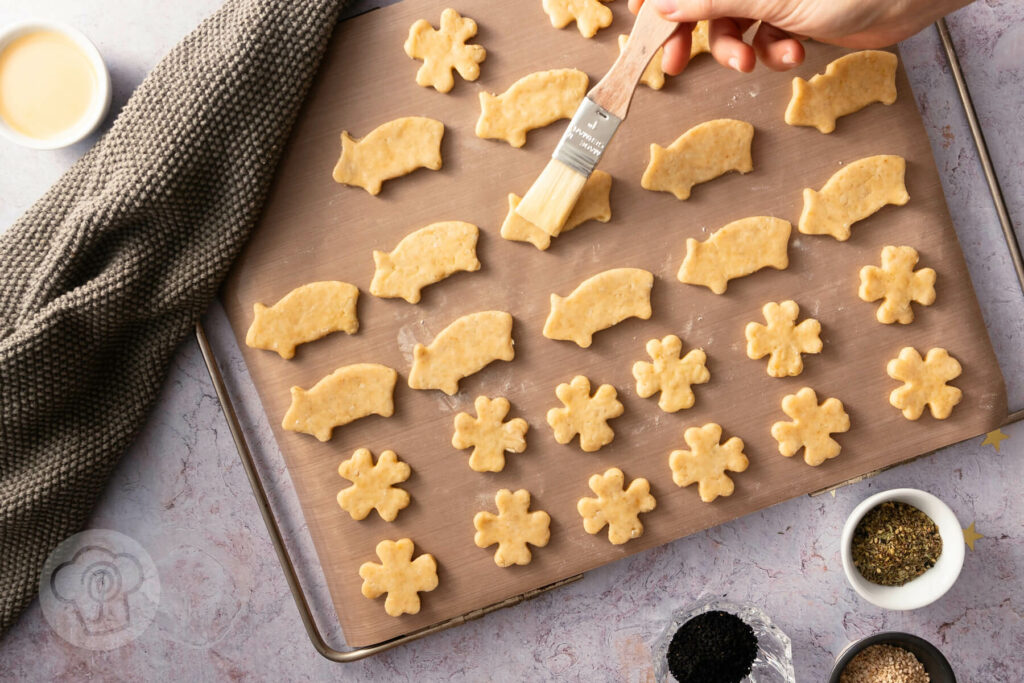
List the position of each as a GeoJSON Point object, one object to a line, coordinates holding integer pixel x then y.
{"type": "Point", "coordinates": [552, 196]}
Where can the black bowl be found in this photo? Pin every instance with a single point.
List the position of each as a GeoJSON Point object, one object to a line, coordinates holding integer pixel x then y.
{"type": "Point", "coordinates": [934, 662]}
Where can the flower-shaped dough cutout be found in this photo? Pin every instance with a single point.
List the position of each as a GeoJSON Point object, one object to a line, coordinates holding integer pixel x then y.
{"type": "Point", "coordinates": [924, 382]}
{"type": "Point", "coordinates": [811, 426]}
{"type": "Point", "coordinates": [584, 414]}
{"type": "Point", "coordinates": [670, 374]}
{"type": "Point", "coordinates": [443, 50]}
{"type": "Point", "coordinates": [707, 461]}
{"type": "Point", "coordinates": [590, 15]}
{"type": "Point", "coordinates": [897, 284]}
{"type": "Point", "coordinates": [616, 505]}
{"type": "Point", "coordinates": [398, 575]}
{"type": "Point", "coordinates": [782, 339]}
{"type": "Point", "coordinates": [488, 435]}
{"type": "Point", "coordinates": [512, 528]}
{"type": "Point", "coordinates": [373, 485]}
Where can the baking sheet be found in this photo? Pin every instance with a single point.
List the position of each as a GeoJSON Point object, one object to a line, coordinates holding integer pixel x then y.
{"type": "Point", "coordinates": [314, 229]}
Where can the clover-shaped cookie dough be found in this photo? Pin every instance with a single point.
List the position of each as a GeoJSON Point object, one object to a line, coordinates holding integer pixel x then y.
{"type": "Point", "coordinates": [811, 426]}
{"type": "Point", "coordinates": [590, 15]}
{"type": "Point", "coordinates": [398, 575]}
{"type": "Point", "coordinates": [897, 284]}
{"type": "Point", "coordinates": [616, 505]}
{"type": "Point", "coordinates": [512, 528]}
{"type": "Point", "coordinates": [924, 382]}
{"type": "Point", "coordinates": [707, 462]}
{"type": "Point", "coordinates": [443, 50]}
{"type": "Point", "coordinates": [488, 435]}
{"type": "Point", "coordinates": [585, 415]}
{"type": "Point", "coordinates": [372, 485]}
{"type": "Point", "coordinates": [670, 374]}
{"type": "Point", "coordinates": [782, 339]}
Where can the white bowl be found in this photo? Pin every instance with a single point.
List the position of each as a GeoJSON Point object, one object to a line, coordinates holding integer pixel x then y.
{"type": "Point", "coordinates": [931, 585]}
{"type": "Point", "coordinates": [100, 104]}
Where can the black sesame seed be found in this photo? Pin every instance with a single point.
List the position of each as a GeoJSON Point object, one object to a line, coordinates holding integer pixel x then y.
{"type": "Point", "coordinates": [713, 647]}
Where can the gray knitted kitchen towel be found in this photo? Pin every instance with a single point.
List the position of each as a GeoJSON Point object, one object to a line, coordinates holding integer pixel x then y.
{"type": "Point", "coordinates": [104, 277]}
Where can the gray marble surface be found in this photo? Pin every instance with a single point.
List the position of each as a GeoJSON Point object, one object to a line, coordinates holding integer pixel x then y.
{"type": "Point", "coordinates": [226, 612]}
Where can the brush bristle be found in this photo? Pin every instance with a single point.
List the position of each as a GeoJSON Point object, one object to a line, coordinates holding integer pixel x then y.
{"type": "Point", "coordinates": [552, 197]}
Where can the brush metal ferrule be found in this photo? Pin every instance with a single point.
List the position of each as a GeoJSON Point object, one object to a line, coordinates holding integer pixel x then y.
{"type": "Point", "coordinates": [584, 141]}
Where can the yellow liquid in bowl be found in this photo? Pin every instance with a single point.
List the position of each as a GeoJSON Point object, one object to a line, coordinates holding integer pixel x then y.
{"type": "Point", "coordinates": [47, 84]}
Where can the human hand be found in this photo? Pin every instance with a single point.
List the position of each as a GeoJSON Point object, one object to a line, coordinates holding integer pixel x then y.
{"type": "Point", "coordinates": [859, 24]}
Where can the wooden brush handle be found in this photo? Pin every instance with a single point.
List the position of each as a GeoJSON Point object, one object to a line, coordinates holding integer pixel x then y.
{"type": "Point", "coordinates": [615, 90]}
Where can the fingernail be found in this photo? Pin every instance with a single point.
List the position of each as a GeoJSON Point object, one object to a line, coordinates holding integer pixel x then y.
{"type": "Point", "coordinates": [734, 63]}
{"type": "Point", "coordinates": [788, 59]}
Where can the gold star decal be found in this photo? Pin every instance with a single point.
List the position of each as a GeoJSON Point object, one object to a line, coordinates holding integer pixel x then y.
{"type": "Point", "coordinates": [970, 536]}
{"type": "Point", "coordinates": [994, 438]}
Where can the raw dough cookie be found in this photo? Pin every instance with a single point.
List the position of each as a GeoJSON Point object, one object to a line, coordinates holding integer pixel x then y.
{"type": "Point", "coordinates": [585, 415]}
{"type": "Point", "coordinates": [707, 462]}
{"type": "Point", "coordinates": [702, 153]}
{"type": "Point", "coordinates": [897, 284]}
{"type": "Point", "coordinates": [372, 485]}
{"type": "Point", "coordinates": [924, 382]}
{"type": "Point", "coordinates": [599, 302]}
{"type": "Point", "coordinates": [534, 101]}
{"type": "Point", "coordinates": [593, 205]}
{"type": "Point", "coordinates": [424, 257]}
{"type": "Point", "coordinates": [512, 528]}
{"type": "Point", "coordinates": [670, 374]}
{"type": "Point", "coordinates": [653, 76]}
{"type": "Point", "coordinates": [699, 39]}
{"type": "Point", "coordinates": [303, 315]}
{"type": "Point", "coordinates": [849, 84]}
{"type": "Point", "coordinates": [783, 339]}
{"type": "Point", "coordinates": [488, 435]}
{"type": "Point", "coordinates": [390, 150]}
{"type": "Point", "coordinates": [811, 426]}
{"type": "Point", "coordinates": [444, 50]}
{"type": "Point", "coordinates": [398, 575]}
{"type": "Point", "coordinates": [590, 15]}
{"type": "Point", "coordinates": [616, 505]}
{"type": "Point", "coordinates": [853, 193]}
{"type": "Point", "coordinates": [347, 394]}
{"type": "Point", "coordinates": [737, 249]}
{"type": "Point", "coordinates": [464, 347]}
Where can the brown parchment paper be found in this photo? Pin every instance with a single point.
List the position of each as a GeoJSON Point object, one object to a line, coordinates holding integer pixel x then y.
{"type": "Point", "coordinates": [314, 229]}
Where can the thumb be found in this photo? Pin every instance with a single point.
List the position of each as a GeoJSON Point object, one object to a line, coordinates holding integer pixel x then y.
{"type": "Point", "coordinates": [696, 10]}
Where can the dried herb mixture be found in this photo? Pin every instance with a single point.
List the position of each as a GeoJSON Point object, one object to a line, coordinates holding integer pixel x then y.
{"type": "Point", "coordinates": [895, 543]}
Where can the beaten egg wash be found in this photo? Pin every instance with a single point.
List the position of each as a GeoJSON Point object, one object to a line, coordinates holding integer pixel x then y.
{"type": "Point", "coordinates": [47, 84]}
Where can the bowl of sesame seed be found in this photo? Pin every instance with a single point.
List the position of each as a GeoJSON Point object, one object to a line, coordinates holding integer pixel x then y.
{"type": "Point", "coordinates": [891, 657]}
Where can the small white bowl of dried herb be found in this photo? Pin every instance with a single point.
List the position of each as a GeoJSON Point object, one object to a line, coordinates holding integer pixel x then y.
{"type": "Point", "coordinates": [902, 549]}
